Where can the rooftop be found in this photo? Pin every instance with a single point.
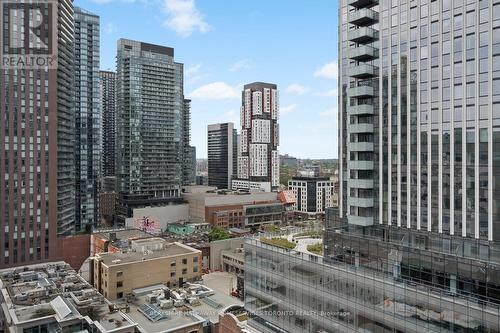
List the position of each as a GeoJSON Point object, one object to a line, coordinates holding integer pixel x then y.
{"type": "Point", "coordinates": [53, 292]}
{"type": "Point", "coordinates": [160, 309]}
{"type": "Point", "coordinates": [121, 234]}
{"type": "Point", "coordinates": [162, 320]}
{"type": "Point", "coordinates": [168, 250]}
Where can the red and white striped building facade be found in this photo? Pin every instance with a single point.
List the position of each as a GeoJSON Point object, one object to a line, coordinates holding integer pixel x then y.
{"type": "Point", "coordinates": [258, 156]}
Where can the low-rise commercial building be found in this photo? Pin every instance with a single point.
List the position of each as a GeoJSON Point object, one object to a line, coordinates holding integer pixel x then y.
{"type": "Point", "coordinates": [148, 262]}
{"type": "Point", "coordinates": [129, 209]}
{"type": "Point", "coordinates": [260, 214]}
{"type": "Point", "coordinates": [114, 240]}
{"type": "Point", "coordinates": [228, 209]}
{"type": "Point", "coordinates": [52, 297]}
{"type": "Point", "coordinates": [288, 199]}
{"type": "Point", "coordinates": [156, 219]}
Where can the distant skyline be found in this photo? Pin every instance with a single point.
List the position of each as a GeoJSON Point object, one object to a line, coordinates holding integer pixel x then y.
{"type": "Point", "coordinates": [225, 44]}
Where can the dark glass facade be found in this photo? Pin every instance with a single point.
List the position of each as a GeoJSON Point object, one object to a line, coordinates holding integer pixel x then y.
{"type": "Point", "coordinates": [222, 154]}
{"type": "Point", "coordinates": [151, 120]}
{"type": "Point", "coordinates": [88, 118]}
{"type": "Point", "coordinates": [108, 100]}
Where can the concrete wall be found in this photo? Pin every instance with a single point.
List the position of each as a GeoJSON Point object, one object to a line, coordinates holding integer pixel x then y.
{"type": "Point", "coordinates": [217, 247]}
{"type": "Point", "coordinates": [161, 216]}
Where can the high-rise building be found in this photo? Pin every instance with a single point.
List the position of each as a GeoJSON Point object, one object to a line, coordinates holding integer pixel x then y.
{"type": "Point", "coordinates": [191, 166]}
{"type": "Point", "coordinates": [258, 161]}
{"type": "Point", "coordinates": [418, 121]}
{"type": "Point", "coordinates": [152, 124]}
{"type": "Point", "coordinates": [88, 120]}
{"type": "Point", "coordinates": [37, 147]}
{"type": "Point", "coordinates": [414, 245]}
{"type": "Point", "coordinates": [188, 151]}
{"type": "Point", "coordinates": [108, 105]}
{"type": "Point", "coordinates": [222, 154]}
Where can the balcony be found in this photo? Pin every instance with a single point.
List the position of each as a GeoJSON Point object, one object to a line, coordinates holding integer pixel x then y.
{"type": "Point", "coordinates": [363, 71]}
{"type": "Point", "coordinates": [360, 146]}
{"type": "Point", "coordinates": [361, 183]}
{"type": "Point", "coordinates": [360, 165]}
{"type": "Point", "coordinates": [363, 3]}
{"type": "Point", "coordinates": [363, 35]}
{"type": "Point", "coordinates": [363, 53]}
{"type": "Point", "coordinates": [363, 17]}
{"type": "Point", "coordinates": [361, 92]}
{"type": "Point", "coordinates": [355, 110]}
{"type": "Point", "coordinates": [360, 128]}
{"type": "Point", "coordinates": [363, 221]}
{"type": "Point", "coordinates": [360, 202]}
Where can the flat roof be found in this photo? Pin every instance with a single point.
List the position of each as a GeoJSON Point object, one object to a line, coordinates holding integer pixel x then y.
{"type": "Point", "coordinates": [171, 250]}
{"type": "Point", "coordinates": [122, 234]}
{"type": "Point", "coordinates": [175, 318]}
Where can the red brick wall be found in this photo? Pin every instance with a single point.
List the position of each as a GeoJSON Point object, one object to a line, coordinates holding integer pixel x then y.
{"type": "Point", "coordinates": [74, 250]}
{"type": "Point", "coordinates": [227, 324]}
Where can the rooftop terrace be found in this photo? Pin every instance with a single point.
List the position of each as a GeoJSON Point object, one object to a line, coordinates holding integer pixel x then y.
{"type": "Point", "coordinates": [168, 250]}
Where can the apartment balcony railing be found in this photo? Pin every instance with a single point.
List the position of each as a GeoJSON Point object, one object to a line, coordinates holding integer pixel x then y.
{"type": "Point", "coordinates": [363, 71]}
{"type": "Point", "coordinates": [360, 146]}
{"type": "Point", "coordinates": [361, 92]}
{"type": "Point", "coordinates": [360, 165]}
{"type": "Point", "coordinates": [363, 35]}
{"type": "Point", "coordinates": [360, 220]}
{"type": "Point", "coordinates": [360, 202]}
{"type": "Point", "coordinates": [363, 53]}
{"type": "Point", "coordinates": [360, 128]}
{"type": "Point", "coordinates": [363, 17]}
{"type": "Point", "coordinates": [363, 3]}
{"type": "Point", "coordinates": [361, 183]}
{"type": "Point", "coordinates": [355, 110]}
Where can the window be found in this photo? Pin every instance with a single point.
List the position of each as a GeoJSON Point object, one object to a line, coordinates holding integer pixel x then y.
{"type": "Point", "coordinates": [172, 274]}
{"type": "Point", "coordinates": [119, 274]}
{"type": "Point", "coordinates": [119, 284]}
{"type": "Point", "coordinates": [184, 261]}
{"type": "Point", "coordinates": [184, 271]}
{"type": "Point", "coordinates": [195, 259]}
{"type": "Point", "coordinates": [195, 269]}
{"type": "Point", "coordinates": [119, 295]}
{"type": "Point", "coordinates": [471, 18]}
{"type": "Point", "coordinates": [458, 22]}
{"type": "Point", "coordinates": [172, 264]}
{"type": "Point", "coordinates": [434, 28]}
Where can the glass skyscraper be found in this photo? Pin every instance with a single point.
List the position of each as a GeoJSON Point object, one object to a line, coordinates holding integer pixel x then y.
{"type": "Point", "coordinates": [414, 244]}
{"type": "Point", "coordinates": [420, 113]}
{"type": "Point", "coordinates": [151, 120]}
{"type": "Point", "coordinates": [88, 118]}
{"type": "Point", "coordinates": [222, 154]}
{"type": "Point", "coordinates": [108, 103]}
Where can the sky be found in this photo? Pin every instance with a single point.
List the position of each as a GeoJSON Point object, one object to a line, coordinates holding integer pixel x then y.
{"type": "Point", "coordinates": [225, 44]}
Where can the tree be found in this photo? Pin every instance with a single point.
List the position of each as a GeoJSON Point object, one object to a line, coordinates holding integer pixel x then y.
{"type": "Point", "coordinates": [218, 234]}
